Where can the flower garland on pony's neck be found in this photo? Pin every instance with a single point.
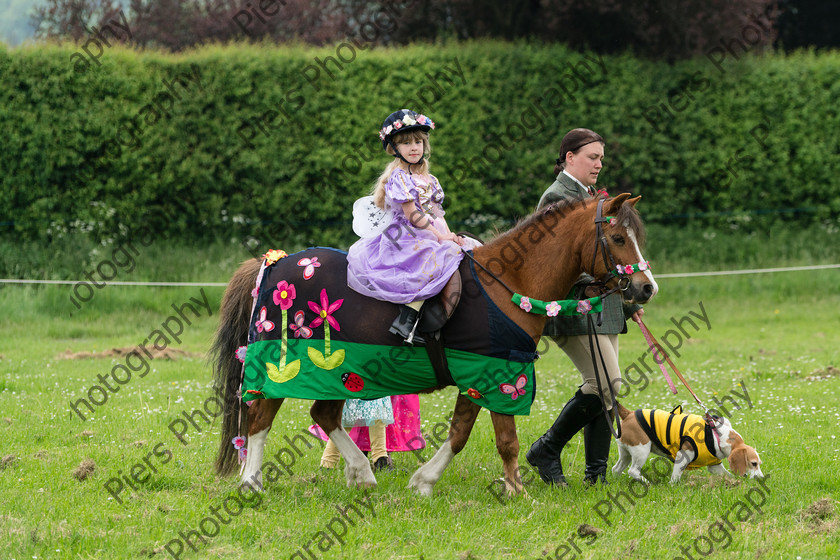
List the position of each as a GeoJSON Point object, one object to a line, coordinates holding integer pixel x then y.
{"type": "Point", "coordinates": [571, 307]}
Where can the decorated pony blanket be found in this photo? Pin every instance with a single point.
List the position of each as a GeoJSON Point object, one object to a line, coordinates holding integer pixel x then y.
{"type": "Point", "coordinates": [313, 337]}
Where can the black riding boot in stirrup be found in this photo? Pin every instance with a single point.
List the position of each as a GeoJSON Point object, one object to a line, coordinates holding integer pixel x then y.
{"type": "Point", "coordinates": [545, 452]}
{"type": "Point", "coordinates": [596, 443]}
{"type": "Point", "coordinates": [406, 324]}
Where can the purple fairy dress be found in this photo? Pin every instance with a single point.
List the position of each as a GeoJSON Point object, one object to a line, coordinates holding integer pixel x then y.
{"type": "Point", "coordinates": [403, 263]}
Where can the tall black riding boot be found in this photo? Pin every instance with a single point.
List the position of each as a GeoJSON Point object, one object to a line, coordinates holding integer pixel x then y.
{"type": "Point", "coordinates": [406, 324]}
{"type": "Point", "coordinates": [596, 443]}
{"type": "Point", "coordinates": [545, 452]}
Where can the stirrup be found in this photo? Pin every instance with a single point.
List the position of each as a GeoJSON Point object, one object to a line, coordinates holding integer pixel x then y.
{"type": "Point", "coordinates": [407, 316]}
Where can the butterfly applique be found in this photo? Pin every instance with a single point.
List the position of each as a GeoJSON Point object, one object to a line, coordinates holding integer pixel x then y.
{"type": "Point", "coordinates": [311, 265]}
{"type": "Point", "coordinates": [298, 328]}
{"type": "Point", "coordinates": [515, 391]}
{"type": "Point", "coordinates": [264, 324]}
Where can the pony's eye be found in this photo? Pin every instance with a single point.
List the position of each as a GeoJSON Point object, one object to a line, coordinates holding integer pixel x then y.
{"type": "Point", "coordinates": [618, 240]}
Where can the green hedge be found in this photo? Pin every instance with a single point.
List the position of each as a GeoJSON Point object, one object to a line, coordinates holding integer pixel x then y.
{"type": "Point", "coordinates": [752, 139]}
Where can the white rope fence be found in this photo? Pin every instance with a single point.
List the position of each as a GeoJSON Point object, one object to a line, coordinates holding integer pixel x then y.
{"type": "Point", "coordinates": [111, 283]}
{"type": "Point", "coordinates": [223, 284]}
{"type": "Point", "coordinates": [746, 271]}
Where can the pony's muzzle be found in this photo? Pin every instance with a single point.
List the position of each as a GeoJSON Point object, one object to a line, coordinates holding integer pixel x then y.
{"type": "Point", "coordinates": [640, 292]}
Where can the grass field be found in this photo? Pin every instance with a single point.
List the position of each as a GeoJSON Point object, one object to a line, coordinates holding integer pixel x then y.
{"type": "Point", "coordinates": [772, 337]}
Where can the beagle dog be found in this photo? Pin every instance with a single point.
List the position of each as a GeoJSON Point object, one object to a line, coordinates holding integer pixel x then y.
{"type": "Point", "coordinates": [685, 439]}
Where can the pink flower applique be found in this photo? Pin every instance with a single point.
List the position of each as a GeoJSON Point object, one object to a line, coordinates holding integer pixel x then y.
{"type": "Point", "coordinates": [311, 265]}
{"type": "Point", "coordinates": [243, 454]}
{"type": "Point", "coordinates": [397, 124]}
{"type": "Point", "coordinates": [284, 295]}
{"type": "Point", "coordinates": [628, 269]}
{"type": "Point", "coordinates": [241, 352]}
{"type": "Point", "coordinates": [584, 306]}
{"type": "Point", "coordinates": [264, 324]}
{"type": "Point", "coordinates": [325, 311]}
{"type": "Point", "coordinates": [238, 442]}
{"type": "Point", "coordinates": [525, 304]}
{"type": "Point", "coordinates": [644, 265]}
{"type": "Point", "coordinates": [552, 309]}
{"type": "Point", "coordinates": [298, 328]}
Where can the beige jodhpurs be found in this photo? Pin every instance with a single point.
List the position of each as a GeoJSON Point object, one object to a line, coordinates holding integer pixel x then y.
{"type": "Point", "coordinates": [577, 348]}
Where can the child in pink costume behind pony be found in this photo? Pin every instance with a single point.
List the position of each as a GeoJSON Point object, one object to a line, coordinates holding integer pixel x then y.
{"type": "Point", "coordinates": [403, 434]}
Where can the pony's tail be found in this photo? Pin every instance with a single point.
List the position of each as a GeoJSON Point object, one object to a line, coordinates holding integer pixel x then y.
{"type": "Point", "coordinates": [234, 319]}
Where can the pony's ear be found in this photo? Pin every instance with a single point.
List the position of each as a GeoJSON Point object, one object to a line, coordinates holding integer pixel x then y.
{"type": "Point", "coordinates": [633, 201]}
{"type": "Point", "coordinates": [613, 204]}
{"type": "Point", "coordinates": [738, 461]}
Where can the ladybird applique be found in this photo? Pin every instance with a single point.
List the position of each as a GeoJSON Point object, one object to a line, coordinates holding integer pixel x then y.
{"type": "Point", "coordinates": [352, 381]}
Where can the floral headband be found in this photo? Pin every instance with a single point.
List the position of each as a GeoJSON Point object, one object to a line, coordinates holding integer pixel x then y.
{"type": "Point", "coordinates": [407, 120]}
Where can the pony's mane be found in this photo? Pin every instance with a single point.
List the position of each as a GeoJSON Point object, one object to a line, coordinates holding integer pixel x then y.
{"type": "Point", "coordinates": [562, 207]}
{"type": "Point", "coordinates": [626, 213]}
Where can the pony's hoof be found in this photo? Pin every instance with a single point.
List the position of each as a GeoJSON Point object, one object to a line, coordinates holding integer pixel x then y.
{"type": "Point", "coordinates": [364, 484]}
{"type": "Point", "coordinates": [361, 478]}
{"type": "Point", "coordinates": [422, 488]}
{"type": "Point", "coordinates": [254, 484]}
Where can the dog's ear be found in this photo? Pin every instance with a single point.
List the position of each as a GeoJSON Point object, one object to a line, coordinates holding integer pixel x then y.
{"type": "Point", "coordinates": [735, 438]}
{"type": "Point", "coordinates": [738, 462]}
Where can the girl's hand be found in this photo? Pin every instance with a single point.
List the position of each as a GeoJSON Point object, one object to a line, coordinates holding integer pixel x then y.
{"type": "Point", "coordinates": [449, 236]}
{"type": "Point", "coordinates": [637, 316]}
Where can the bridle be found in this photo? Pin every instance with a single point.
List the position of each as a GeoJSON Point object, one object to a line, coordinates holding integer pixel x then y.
{"type": "Point", "coordinates": [622, 272]}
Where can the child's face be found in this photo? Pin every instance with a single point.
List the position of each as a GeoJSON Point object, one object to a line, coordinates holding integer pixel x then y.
{"type": "Point", "coordinates": [411, 150]}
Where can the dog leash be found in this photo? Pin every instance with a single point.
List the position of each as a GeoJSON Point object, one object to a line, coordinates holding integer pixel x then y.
{"type": "Point", "coordinates": [657, 348]}
{"type": "Point", "coordinates": [654, 350]}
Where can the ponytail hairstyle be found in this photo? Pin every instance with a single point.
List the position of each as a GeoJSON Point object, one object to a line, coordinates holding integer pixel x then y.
{"type": "Point", "coordinates": [422, 167]}
{"type": "Point", "coordinates": [573, 141]}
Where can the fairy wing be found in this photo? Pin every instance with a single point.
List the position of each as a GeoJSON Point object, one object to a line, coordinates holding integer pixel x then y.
{"type": "Point", "coordinates": [368, 219]}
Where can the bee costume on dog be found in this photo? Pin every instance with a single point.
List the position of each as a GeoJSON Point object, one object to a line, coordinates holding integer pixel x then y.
{"type": "Point", "coordinates": [669, 430]}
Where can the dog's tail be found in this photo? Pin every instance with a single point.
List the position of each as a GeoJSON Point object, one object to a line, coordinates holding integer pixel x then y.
{"type": "Point", "coordinates": [622, 412]}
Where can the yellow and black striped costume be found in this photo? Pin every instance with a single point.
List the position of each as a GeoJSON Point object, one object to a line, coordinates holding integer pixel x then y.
{"type": "Point", "coordinates": [669, 430]}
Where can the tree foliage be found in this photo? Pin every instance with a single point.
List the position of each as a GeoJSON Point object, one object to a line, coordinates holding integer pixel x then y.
{"type": "Point", "coordinates": [670, 29]}
{"type": "Point", "coordinates": [71, 19]}
{"type": "Point", "coordinates": [243, 139]}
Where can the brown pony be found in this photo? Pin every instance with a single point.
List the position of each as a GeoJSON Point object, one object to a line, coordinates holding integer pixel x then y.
{"type": "Point", "coordinates": [552, 247]}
